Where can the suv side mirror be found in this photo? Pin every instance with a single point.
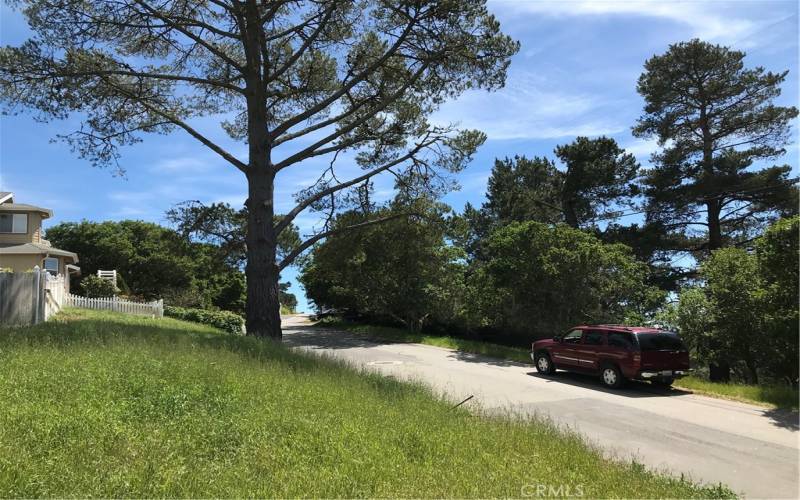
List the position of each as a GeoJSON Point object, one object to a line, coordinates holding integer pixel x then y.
{"type": "Point", "coordinates": [558, 338]}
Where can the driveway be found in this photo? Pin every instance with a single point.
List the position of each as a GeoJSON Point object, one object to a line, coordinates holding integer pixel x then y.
{"type": "Point", "coordinates": [753, 450]}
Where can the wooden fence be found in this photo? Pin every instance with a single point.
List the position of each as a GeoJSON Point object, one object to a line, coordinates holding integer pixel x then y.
{"type": "Point", "coordinates": [22, 298]}
{"type": "Point", "coordinates": [32, 297]}
{"type": "Point", "coordinates": [154, 309]}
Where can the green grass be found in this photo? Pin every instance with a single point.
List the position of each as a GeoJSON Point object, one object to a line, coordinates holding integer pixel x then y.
{"type": "Point", "coordinates": [387, 333]}
{"type": "Point", "coordinates": [772, 396]}
{"type": "Point", "coordinates": [100, 404]}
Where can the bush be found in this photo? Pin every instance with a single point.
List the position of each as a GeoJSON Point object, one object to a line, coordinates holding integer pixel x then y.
{"type": "Point", "coordinates": [224, 320]}
{"type": "Point", "coordinates": [96, 287]}
{"type": "Point", "coordinates": [539, 279]}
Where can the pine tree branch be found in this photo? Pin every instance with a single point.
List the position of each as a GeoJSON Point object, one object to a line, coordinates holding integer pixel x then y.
{"type": "Point", "coordinates": [136, 74]}
{"type": "Point", "coordinates": [317, 237]}
{"type": "Point", "coordinates": [289, 217]}
{"type": "Point", "coordinates": [306, 44]}
{"type": "Point", "coordinates": [346, 87]}
{"type": "Point", "coordinates": [155, 12]}
{"type": "Point", "coordinates": [182, 124]}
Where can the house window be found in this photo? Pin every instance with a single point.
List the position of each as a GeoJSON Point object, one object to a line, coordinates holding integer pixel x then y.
{"type": "Point", "coordinates": [14, 223]}
{"type": "Point", "coordinates": [51, 265]}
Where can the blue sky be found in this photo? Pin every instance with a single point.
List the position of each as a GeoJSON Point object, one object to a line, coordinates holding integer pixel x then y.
{"type": "Point", "coordinates": [574, 75]}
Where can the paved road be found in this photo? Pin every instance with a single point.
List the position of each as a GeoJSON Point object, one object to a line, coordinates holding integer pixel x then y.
{"type": "Point", "coordinates": [753, 450]}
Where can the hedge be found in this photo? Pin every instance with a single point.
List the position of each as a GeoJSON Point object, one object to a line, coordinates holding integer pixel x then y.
{"type": "Point", "coordinates": [224, 320]}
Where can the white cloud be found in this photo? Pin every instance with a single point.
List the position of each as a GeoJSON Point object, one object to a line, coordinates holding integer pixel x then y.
{"type": "Point", "coordinates": [530, 108]}
{"type": "Point", "coordinates": [641, 148]}
{"type": "Point", "coordinates": [707, 20]}
{"type": "Point", "coordinates": [182, 165]}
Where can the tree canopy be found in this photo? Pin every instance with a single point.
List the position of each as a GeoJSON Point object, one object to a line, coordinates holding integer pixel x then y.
{"type": "Point", "coordinates": [542, 279]}
{"type": "Point", "coordinates": [744, 313]}
{"type": "Point", "coordinates": [401, 271]}
{"type": "Point", "coordinates": [598, 180]}
{"type": "Point", "coordinates": [594, 181]}
{"type": "Point", "coordinates": [154, 262]}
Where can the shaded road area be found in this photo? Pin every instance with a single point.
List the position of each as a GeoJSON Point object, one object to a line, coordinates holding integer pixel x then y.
{"type": "Point", "coordinates": [753, 450]}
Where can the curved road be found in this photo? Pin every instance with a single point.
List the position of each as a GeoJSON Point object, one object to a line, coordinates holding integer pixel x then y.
{"type": "Point", "coordinates": [753, 450]}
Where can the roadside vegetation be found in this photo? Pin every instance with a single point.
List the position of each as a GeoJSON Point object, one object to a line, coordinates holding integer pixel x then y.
{"type": "Point", "coordinates": [101, 404]}
{"type": "Point", "coordinates": [778, 396]}
{"type": "Point", "coordinates": [588, 235]}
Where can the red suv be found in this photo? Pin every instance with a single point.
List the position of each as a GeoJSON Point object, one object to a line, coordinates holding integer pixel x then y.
{"type": "Point", "coordinates": [615, 353]}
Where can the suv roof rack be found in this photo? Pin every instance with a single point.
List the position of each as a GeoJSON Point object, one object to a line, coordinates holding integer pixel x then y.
{"type": "Point", "coordinates": [617, 325]}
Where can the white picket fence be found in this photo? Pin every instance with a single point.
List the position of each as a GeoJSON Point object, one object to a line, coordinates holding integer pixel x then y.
{"type": "Point", "coordinates": [55, 294]}
{"type": "Point", "coordinates": [154, 309]}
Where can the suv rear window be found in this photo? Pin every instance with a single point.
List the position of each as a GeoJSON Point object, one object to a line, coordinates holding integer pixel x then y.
{"type": "Point", "coordinates": [660, 341]}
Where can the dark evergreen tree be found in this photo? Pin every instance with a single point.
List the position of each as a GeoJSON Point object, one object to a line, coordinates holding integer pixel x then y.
{"type": "Point", "coordinates": [597, 181]}
{"type": "Point", "coordinates": [716, 123]}
{"type": "Point", "coordinates": [594, 182]}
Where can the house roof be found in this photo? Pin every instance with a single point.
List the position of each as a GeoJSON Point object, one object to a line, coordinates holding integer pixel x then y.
{"type": "Point", "coordinates": [36, 249]}
{"type": "Point", "coordinates": [6, 196]}
{"type": "Point", "coordinates": [23, 207]}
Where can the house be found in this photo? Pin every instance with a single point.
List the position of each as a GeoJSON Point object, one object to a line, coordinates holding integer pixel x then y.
{"type": "Point", "coordinates": [22, 246]}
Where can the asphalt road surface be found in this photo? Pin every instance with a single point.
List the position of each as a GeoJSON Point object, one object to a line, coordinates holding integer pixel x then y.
{"type": "Point", "coordinates": [755, 451]}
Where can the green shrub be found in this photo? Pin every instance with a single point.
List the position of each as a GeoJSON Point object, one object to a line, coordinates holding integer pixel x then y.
{"type": "Point", "coordinates": [95, 286]}
{"type": "Point", "coordinates": [224, 320]}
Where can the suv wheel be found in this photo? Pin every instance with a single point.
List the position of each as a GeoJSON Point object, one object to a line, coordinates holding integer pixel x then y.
{"type": "Point", "coordinates": [611, 377]}
{"type": "Point", "coordinates": [544, 365]}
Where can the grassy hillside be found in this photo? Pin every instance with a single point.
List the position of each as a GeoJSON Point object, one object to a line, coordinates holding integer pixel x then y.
{"type": "Point", "coordinates": [106, 405]}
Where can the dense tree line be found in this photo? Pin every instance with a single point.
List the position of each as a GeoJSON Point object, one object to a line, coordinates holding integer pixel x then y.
{"type": "Point", "coordinates": [401, 270]}
{"type": "Point", "coordinates": [743, 313]}
{"type": "Point", "coordinates": [548, 248]}
{"type": "Point", "coordinates": [153, 261]}
{"type": "Point", "coordinates": [532, 278]}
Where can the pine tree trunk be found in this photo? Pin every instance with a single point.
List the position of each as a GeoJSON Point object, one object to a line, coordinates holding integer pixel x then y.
{"type": "Point", "coordinates": [712, 204]}
{"type": "Point", "coordinates": [714, 228]}
{"type": "Point", "coordinates": [568, 207]}
{"type": "Point", "coordinates": [263, 292]}
{"type": "Point", "coordinates": [263, 304]}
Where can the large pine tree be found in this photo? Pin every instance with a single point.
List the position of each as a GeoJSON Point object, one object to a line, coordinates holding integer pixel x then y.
{"type": "Point", "coordinates": [292, 80]}
{"type": "Point", "coordinates": [718, 128]}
